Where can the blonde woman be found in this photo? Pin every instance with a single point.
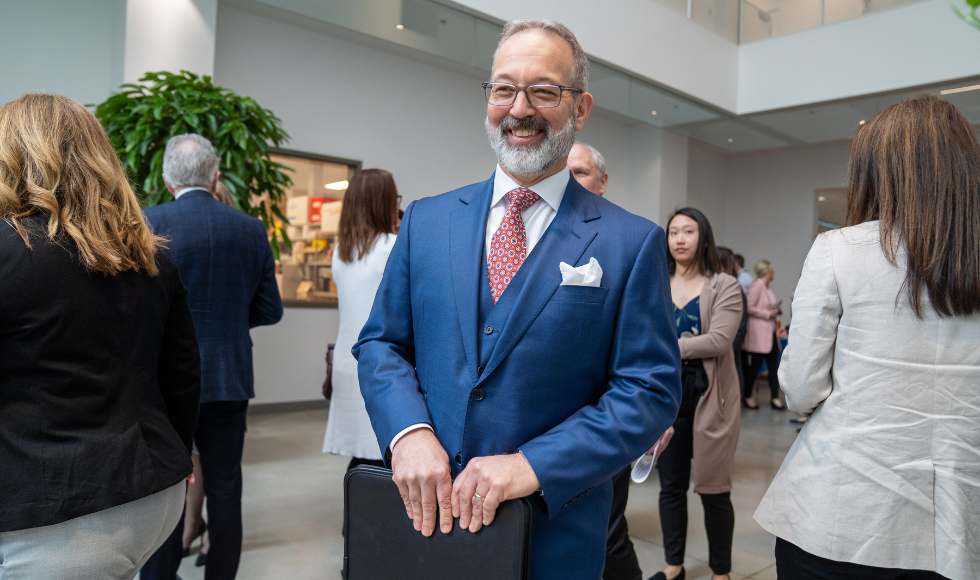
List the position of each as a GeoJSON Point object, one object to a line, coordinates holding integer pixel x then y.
{"type": "Point", "coordinates": [99, 366]}
{"type": "Point", "coordinates": [761, 340]}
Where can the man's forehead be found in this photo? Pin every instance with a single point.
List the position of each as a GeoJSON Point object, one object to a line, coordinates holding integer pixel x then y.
{"type": "Point", "coordinates": [537, 52]}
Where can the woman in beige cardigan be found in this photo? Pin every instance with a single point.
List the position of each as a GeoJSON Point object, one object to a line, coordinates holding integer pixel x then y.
{"type": "Point", "coordinates": [708, 310]}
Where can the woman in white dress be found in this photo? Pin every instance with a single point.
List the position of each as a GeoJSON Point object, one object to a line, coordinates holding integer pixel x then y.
{"type": "Point", "coordinates": [368, 226]}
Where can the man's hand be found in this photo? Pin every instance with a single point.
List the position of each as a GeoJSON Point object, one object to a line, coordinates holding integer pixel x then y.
{"type": "Point", "coordinates": [495, 479]}
{"type": "Point", "coordinates": [420, 468]}
{"type": "Point", "coordinates": [661, 443]}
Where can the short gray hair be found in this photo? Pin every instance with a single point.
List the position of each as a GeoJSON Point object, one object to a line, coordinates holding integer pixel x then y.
{"type": "Point", "coordinates": [598, 161]}
{"type": "Point", "coordinates": [189, 160]}
{"type": "Point", "coordinates": [580, 69]}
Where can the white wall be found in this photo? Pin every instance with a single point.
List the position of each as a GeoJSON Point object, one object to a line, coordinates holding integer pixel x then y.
{"type": "Point", "coordinates": [916, 44]}
{"type": "Point", "coordinates": [770, 206]}
{"type": "Point", "coordinates": [419, 121]}
{"type": "Point", "coordinates": [707, 180]}
{"type": "Point", "coordinates": [289, 356]}
{"type": "Point", "coordinates": [641, 36]}
{"type": "Point", "coordinates": [170, 35]}
{"type": "Point", "coordinates": [71, 48]}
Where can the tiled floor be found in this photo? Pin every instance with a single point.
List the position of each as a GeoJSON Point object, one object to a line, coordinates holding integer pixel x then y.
{"type": "Point", "coordinates": [293, 502]}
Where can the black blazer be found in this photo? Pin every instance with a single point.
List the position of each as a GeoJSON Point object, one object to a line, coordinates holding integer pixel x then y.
{"type": "Point", "coordinates": [99, 382]}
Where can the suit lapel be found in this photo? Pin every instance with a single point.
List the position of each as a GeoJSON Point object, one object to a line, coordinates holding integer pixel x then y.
{"type": "Point", "coordinates": [565, 240]}
{"type": "Point", "coordinates": [467, 250]}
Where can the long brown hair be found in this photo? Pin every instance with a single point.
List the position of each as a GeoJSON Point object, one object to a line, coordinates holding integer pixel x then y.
{"type": "Point", "coordinates": [370, 209]}
{"type": "Point", "coordinates": [915, 167]}
{"type": "Point", "coordinates": [56, 160]}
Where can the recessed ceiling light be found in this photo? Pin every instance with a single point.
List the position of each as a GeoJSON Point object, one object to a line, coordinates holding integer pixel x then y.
{"type": "Point", "coordinates": [337, 185]}
{"type": "Point", "coordinates": [821, 198]}
{"type": "Point", "coordinates": [400, 26]}
{"type": "Point", "coordinates": [730, 140]}
{"type": "Point", "coordinates": [959, 90]}
{"type": "Point", "coordinates": [653, 112]}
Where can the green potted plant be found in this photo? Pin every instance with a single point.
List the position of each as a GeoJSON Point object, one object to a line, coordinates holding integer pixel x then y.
{"type": "Point", "coordinates": [142, 117]}
{"type": "Point", "coordinates": [970, 16]}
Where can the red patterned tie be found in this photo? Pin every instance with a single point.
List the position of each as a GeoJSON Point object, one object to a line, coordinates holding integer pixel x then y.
{"type": "Point", "coordinates": [508, 247]}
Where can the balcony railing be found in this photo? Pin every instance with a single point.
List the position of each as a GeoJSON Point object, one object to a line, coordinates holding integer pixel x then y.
{"type": "Point", "coordinates": [744, 21]}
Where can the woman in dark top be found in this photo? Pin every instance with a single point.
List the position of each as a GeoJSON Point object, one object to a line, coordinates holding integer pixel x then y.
{"type": "Point", "coordinates": [99, 365]}
{"type": "Point", "coordinates": [707, 311]}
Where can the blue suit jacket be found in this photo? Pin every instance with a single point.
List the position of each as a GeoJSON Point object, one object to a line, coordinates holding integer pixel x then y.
{"type": "Point", "coordinates": [581, 380]}
{"type": "Point", "coordinates": [224, 259]}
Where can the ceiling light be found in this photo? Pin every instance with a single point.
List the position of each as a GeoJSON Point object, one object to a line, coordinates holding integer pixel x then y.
{"type": "Point", "coordinates": [959, 90]}
{"type": "Point", "coordinates": [338, 185]}
{"type": "Point", "coordinates": [862, 122]}
{"type": "Point", "coordinates": [400, 26]}
{"type": "Point", "coordinates": [653, 112]}
{"type": "Point", "coordinates": [821, 198]}
{"type": "Point", "coordinates": [730, 140]}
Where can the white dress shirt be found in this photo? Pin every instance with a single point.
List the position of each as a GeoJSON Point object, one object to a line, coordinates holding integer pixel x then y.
{"type": "Point", "coordinates": [886, 472]}
{"type": "Point", "coordinates": [536, 218]}
{"type": "Point", "coordinates": [184, 190]}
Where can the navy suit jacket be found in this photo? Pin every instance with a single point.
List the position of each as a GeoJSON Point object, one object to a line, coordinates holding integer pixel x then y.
{"type": "Point", "coordinates": [581, 380]}
{"type": "Point", "coordinates": [224, 260]}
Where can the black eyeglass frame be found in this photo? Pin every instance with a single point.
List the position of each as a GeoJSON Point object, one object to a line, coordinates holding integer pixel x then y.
{"type": "Point", "coordinates": [561, 91]}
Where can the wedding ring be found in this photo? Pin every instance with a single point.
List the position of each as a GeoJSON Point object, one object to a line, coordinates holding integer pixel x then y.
{"type": "Point", "coordinates": [477, 496]}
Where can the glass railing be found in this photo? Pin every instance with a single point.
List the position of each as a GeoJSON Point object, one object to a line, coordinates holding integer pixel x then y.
{"type": "Point", "coordinates": [747, 21]}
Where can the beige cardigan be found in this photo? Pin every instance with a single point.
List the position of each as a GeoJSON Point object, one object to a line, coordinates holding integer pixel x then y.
{"type": "Point", "coordinates": [718, 416]}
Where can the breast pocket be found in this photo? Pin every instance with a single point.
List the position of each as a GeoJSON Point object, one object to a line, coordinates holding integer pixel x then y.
{"type": "Point", "coordinates": [581, 294]}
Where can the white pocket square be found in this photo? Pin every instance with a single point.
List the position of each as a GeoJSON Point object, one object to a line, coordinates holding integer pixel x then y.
{"type": "Point", "coordinates": [585, 275]}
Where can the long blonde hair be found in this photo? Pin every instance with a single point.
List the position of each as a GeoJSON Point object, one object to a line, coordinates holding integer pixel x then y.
{"type": "Point", "coordinates": [55, 159]}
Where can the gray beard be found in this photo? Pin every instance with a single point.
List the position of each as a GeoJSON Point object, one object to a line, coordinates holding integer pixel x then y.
{"type": "Point", "coordinates": [527, 161]}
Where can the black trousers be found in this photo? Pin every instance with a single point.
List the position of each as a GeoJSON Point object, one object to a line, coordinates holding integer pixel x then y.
{"type": "Point", "coordinates": [674, 469]}
{"type": "Point", "coordinates": [755, 365]}
{"type": "Point", "coordinates": [793, 563]}
{"type": "Point", "coordinates": [740, 369]}
{"type": "Point", "coordinates": [621, 562]}
{"type": "Point", "coordinates": [220, 438]}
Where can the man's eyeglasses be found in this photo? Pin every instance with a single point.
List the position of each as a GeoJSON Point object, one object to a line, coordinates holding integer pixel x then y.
{"type": "Point", "coordinates": [539, 96]}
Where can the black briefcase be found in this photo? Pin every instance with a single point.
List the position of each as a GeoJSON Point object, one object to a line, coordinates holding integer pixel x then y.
{"type": "Point", "coordinates": [380, 542]}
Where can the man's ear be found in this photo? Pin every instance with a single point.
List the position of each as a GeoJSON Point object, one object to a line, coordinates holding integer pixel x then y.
{"type": "Point", "coordinates": [170, 188]}
{"type": "Point", "coordinates": [583, 108]}
{"type": "Point", "coordinates": [214, 184]}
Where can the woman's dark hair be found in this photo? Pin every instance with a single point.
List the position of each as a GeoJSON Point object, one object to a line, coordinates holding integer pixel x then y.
{"type": "Point", "coordinates": [370, 209]}
{"type": "Point", "coordinates": [706, 255]}
{"type": "Point", "coordinates": [915, 168]}
{"type": "Point", "coordinates": [727, 258]}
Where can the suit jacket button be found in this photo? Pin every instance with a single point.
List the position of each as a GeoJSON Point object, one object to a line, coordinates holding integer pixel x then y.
{"type": "Point", "coordinates": [477, 394]}
{"type": "Point", "coordinates": [488, 330]}
{"type": "Point", "coordinates": [459, 459]}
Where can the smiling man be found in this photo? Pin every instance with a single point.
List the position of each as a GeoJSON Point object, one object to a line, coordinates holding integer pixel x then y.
{"type": "Point", "coordinates": [522, 341]}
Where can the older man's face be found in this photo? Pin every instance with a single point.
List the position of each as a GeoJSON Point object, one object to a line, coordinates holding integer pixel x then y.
{"type": "Point", "coordinates": [583, 168]}
{"type": "Point", "coordinates": [528, 140]}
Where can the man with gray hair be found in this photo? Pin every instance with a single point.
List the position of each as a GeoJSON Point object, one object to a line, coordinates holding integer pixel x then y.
{"type": "Point", "coordinates": [224, 259]}
{"type": "Point", "coordinates": [522, 341]}
{"type": "Point", "coordinates": [588, 167]}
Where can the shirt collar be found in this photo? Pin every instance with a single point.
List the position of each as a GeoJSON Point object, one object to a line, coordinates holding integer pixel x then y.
{"type": "Point", "coordinates": [551, 189]}
{"type": "Point", "coordinates": [184, 190]}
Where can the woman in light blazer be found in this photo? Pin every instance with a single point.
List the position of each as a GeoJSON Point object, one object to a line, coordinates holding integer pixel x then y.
{"type": "Point", "coordinates": [761, 340]}
{"type": "Point", "coordinates": [707, 311]}
{"type": "Point", "coordinates": [884, 354]}
{"type": "Point", "coordinates": [368, 226]}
